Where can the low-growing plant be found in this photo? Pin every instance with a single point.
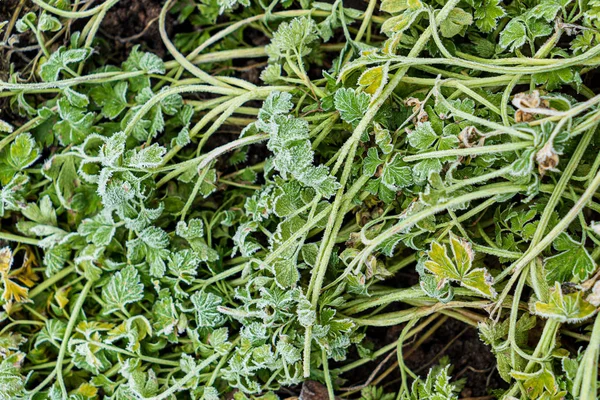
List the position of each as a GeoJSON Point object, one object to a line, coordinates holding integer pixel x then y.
{"type": "Point", "coordinates": [240, 214]}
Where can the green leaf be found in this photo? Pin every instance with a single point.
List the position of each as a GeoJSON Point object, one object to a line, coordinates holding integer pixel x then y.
{"type": "Point", "coordinates": [244, 244]}
{"type": "Point", "coordinates": [26, 22]}
{"type": "Point", "coordinates": [537, 383]}
{"type": "Point", "coordinates": [62, 171]}
{"type": "Point", "coordinates": [351, 104]}
{"type": "Point", "coordinates": [383, 139]}
{"type": "Point", "coordinates": [183, 265]}
{"type": "Point", "coordinates": [459, 268]}
{"type": "Point", "coordinates": [22, 153]}
{"type": "Point", "coordinates": [293, 37]}
{"type": "Point", "coordinates": [290, 131]}
{"type": "Point", "coordinates": [371, 162]}
{"type": "Point", "coordinates": [569, 308]}
{"type": "Point", "coordinates": [423, 136]}
{"type": "Point", "coordinates": [75, 124]}
{"type": "Point", "coordinates": [11, 194]}
{"type": "Point", "coordinates": [278, 103]}
{"type": "Point", "coordinates": [372, 79]}
{"type": "Point", "coordinates": [194, 229]}
{"type": "Point", "coordinates": [76, 99]}
{"type": "Point", "coordinates": [148, 62]}
{"type": "Point", "coordinates": [546, 9]}
{"type": "Point", "coordinates": [402, 22]}
{"type": "Point", "coordinates": [48, 23]}
{"type": "Point", "coordinates": [456, 21]}
{"type": "Point", "coordinates": [424, 169]}
{"type": "Point", "coordinates": [436, 386]}
{"type": "Point", "coordinates": [59, 61]}
{"type": "Point", "coordinates": [286, 273]}
{"type": "Point", "coordinates": [98, 230]}
{"type": "Point", "coordinates": [514, 35]}
{"type": "Point", "coordinates": [164, 315]}
{"type": "Point", "coordinates": [5, 127]}
{"type": "Point", "coordinates": [150, 246]}
{"type": "Point", "coordinates": [140, 384]}
{"type": "Point", "coordinates": [206, 309]}
{"type": "Point", "coordinates": [123, 288]}
{"type": "Point", "coordinates": [487, 15]}
{"type": "Point", "coordinates": [574, 261]}
{"type": "Point", "coordinates": [52, 333]}
{"type": "Point", "coordinates": [112, 99]}
{"type": "Point", "coordinates": [396, 174]}
{"type": "Point", "coordinates": [12, 383]}
{"type": "Point", "coordinates": [396, 6]}
{"type": "Point", "coordinates": [556, 78]}
{"type": "Point", "coordinates": [147, 157]}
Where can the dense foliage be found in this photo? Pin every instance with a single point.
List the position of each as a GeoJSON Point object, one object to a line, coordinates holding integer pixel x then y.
{"type": "Point", "coordinates": [179, 227]}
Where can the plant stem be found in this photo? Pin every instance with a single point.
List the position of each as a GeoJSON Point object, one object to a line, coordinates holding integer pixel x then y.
{"type": "Point", "coordinates": [65, 341]}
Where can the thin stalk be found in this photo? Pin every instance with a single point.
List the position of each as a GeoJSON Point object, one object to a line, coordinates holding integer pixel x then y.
{"type": "Point", "coordinates": [65, 340]}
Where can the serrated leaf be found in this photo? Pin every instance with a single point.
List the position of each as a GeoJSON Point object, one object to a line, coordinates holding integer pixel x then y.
{"type": "Point", "coordinates": [123, 288]}
{"type": "Point", "coordinates": [59, 61]}
{"type": "Point", "coordinates": [459, 268]}
{"type": "Point", "coordinates": [293, 37]}
{"type": "Point", "coordinates": [150, 246]}
{"type": "Point", "coordinates": [205, 308]}
{"type": "Point", "coordinates": [112, 99]}
{"type": "Point", "coordinates": [286, 273]}
{"type": "Point", "coordinates": [351, 104]}
{"type": "Point", "coordinates": [569, 308]}
{"type": "Point", "coordinates": [146, 157]}
{"type": "Point", "coordinates": [22, 153]}
{"type": "Point", "coordinates": [98, 230]}
{"type": "Point", "coordinates": [556, 78]}
{"type": "Point", "coordinates": [12, 383]}
{"type": "Point", "coordinates": [52, 333]}
{"type": "Point", "coordinates": [574, 261]}
{"type": "Point", "coordinates": [514, 35]}
{"type": "Point", "coordinates": [423, 136]}
{"type": "Point", "coordinates": [546, 9]}
{"type": "Point", "coordinates": [371, 162]}
{"type": "Point", "coordinates": [194, 229]}
{"type": "Point", "coordinates": [140, 61]}
{"type": "Point", "coordinates": [487, 15]}
{"type": "Point", "coordinates": [396, 174]}
{"type": "Point", "coordinates": [75, 124]}
{"type": "Point", "coordinates": [456, 21]}
{"type": "Point", "coordinates": [396, 6]}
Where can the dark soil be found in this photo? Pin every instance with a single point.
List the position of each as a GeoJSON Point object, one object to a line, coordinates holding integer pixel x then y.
{"type": "Point", "coordinates": [132, 22]}
{"type": "Point", "coordinates": [469, 356]}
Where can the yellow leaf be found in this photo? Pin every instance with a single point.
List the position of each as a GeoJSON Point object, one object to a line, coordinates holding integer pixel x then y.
{"type": "Point", "coordinates": [13, 291]}
{"type": "Point", "coordinates": [87, 390]}
{"type": "Point", "coordinates": [61, 297]}
{"type": "Point", "coordinates": [371, 78]}
{"type": "Point", "coordinates": [25, 274]}
{"type": "Point", "coordinates": [396, 6]}
{"type": "Point", "coordinates": [6, 260]}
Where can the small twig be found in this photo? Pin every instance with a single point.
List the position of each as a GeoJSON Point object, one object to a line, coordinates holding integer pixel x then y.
{"type": "Point", "coordinates": [446, 347]}
{"type": "Point", "coordinates": [469, 368]}
{"type": "Point", "coordinates": [373, 374]}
